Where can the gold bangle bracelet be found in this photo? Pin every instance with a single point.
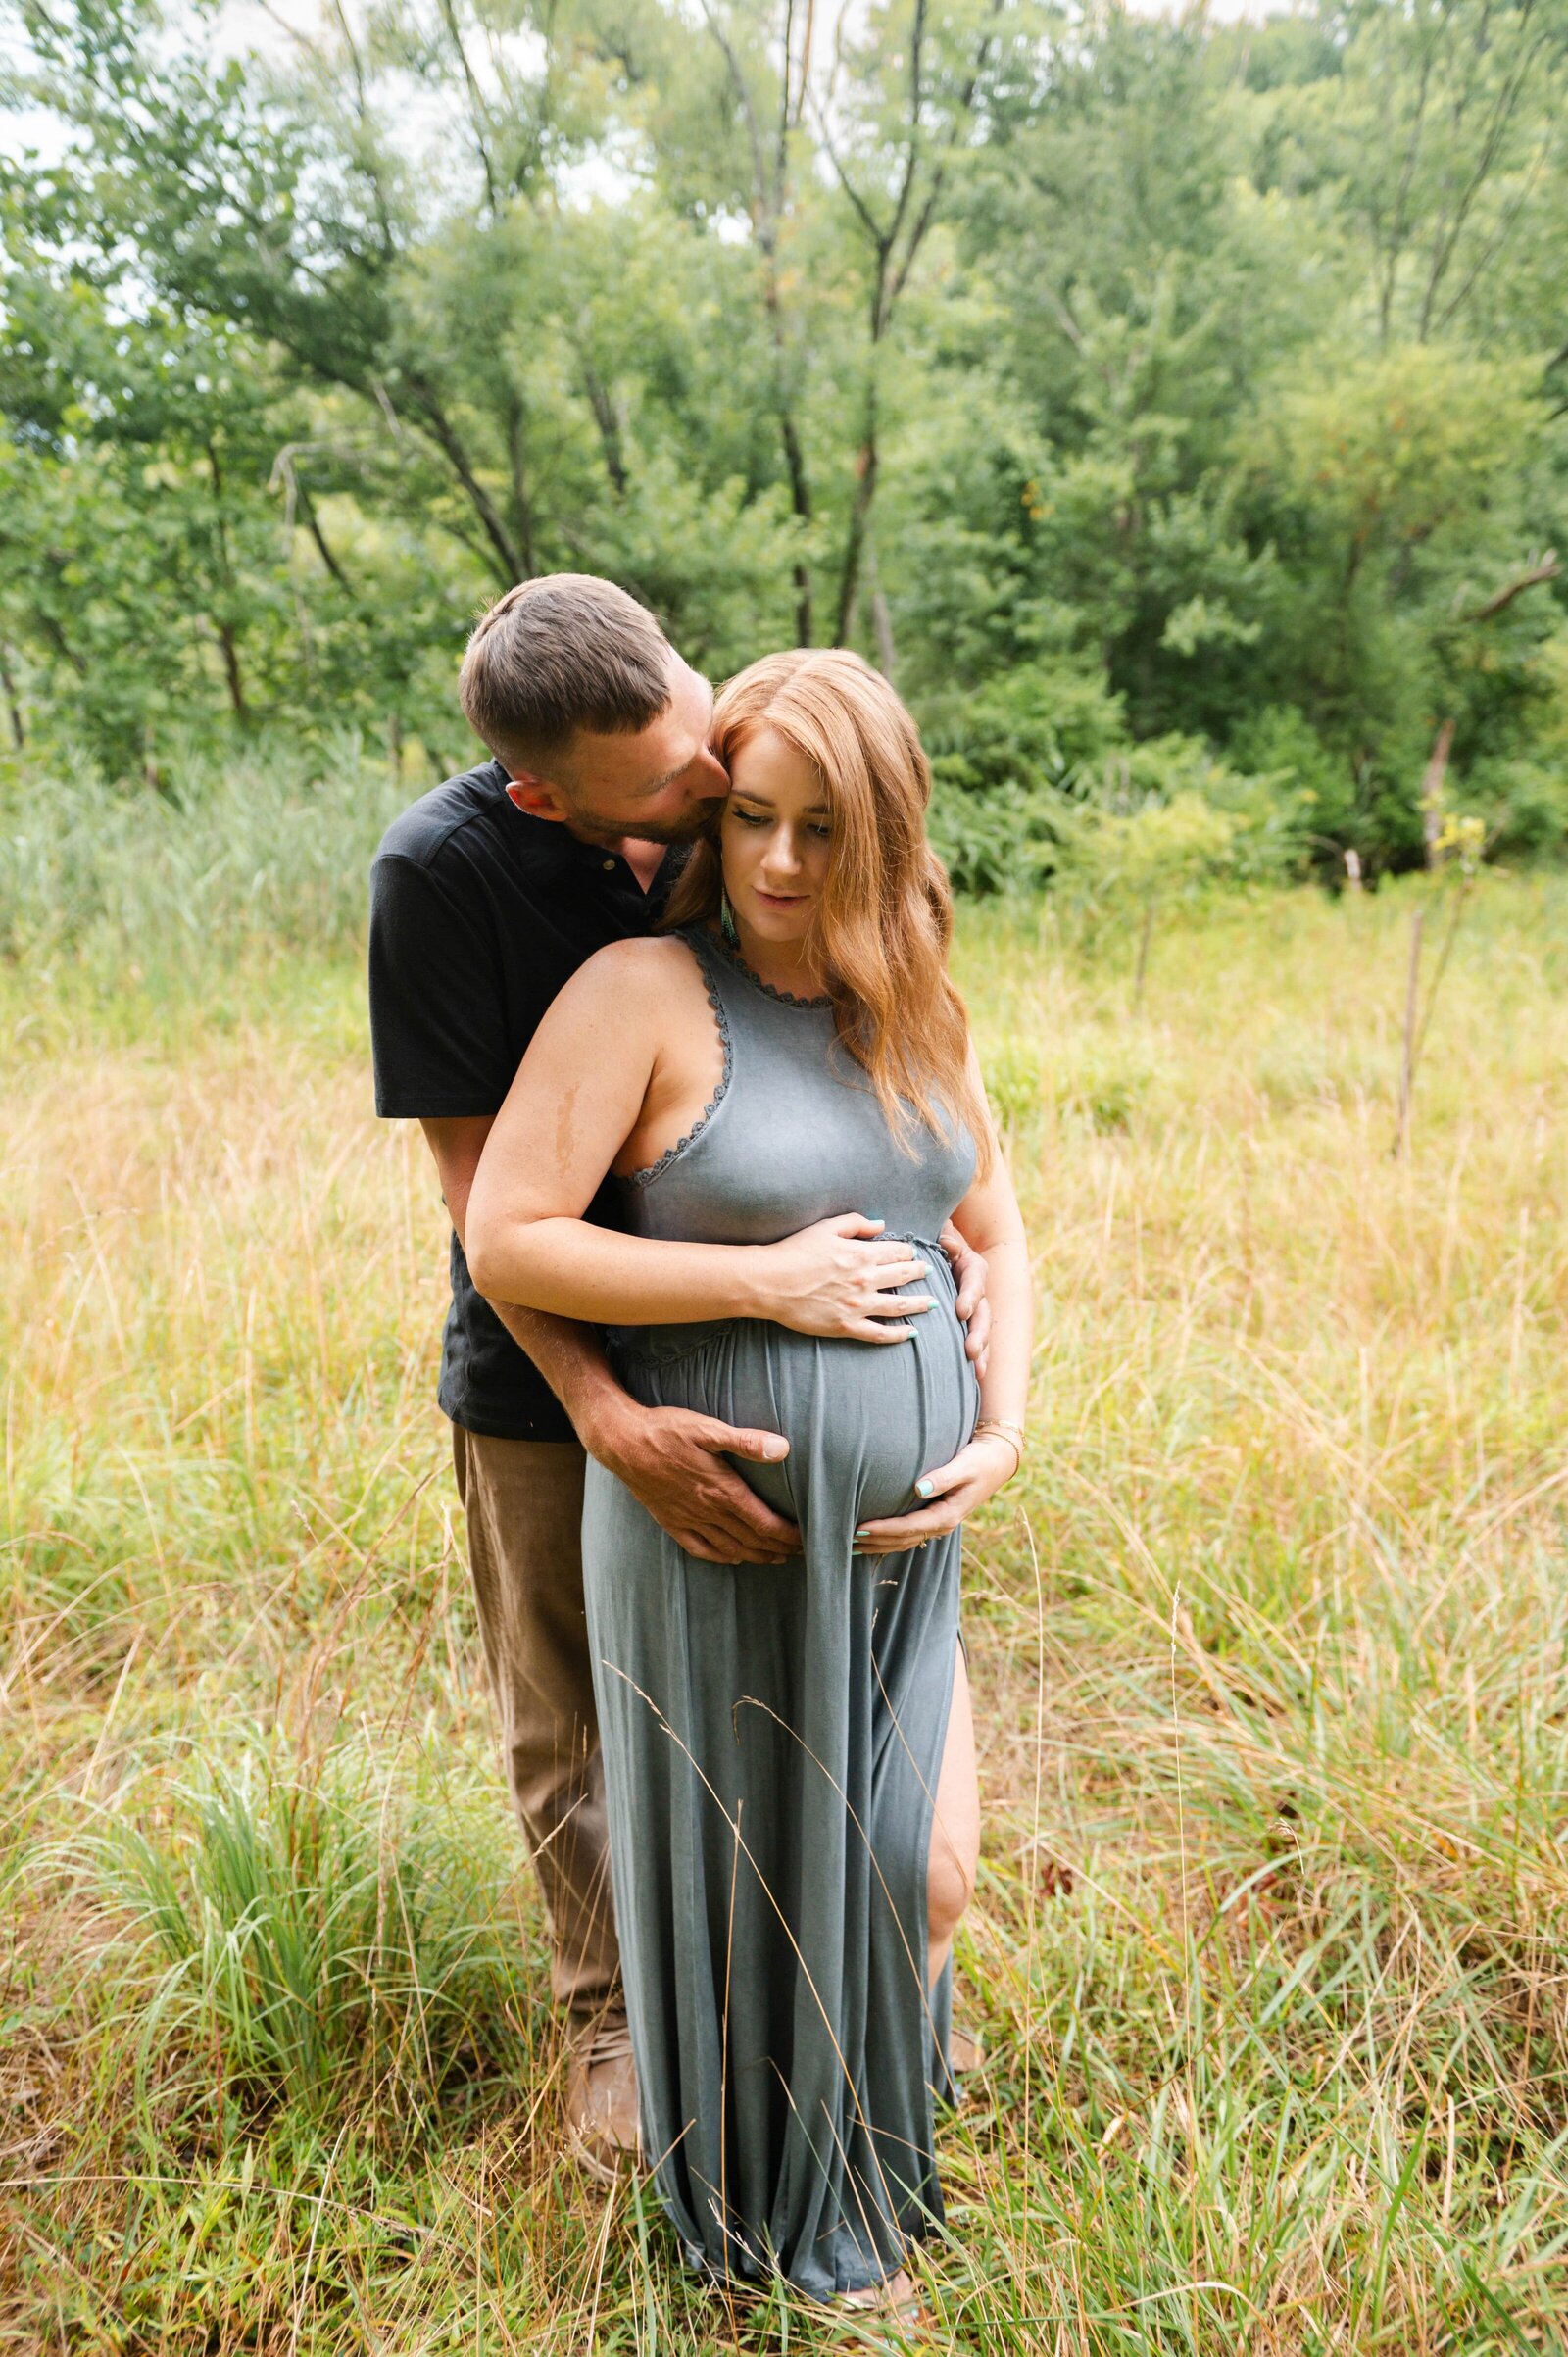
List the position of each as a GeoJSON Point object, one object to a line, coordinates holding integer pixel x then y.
{"type": "Point", "coordinates": [1008, 1431]}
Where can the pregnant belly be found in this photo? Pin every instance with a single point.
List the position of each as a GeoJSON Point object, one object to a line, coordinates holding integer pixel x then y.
{"type": "Point", "coordinates": [863, 1420]}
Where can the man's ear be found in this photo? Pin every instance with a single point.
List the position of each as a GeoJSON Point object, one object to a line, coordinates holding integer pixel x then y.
{"type": "Point", "coordinates": [533, 794]}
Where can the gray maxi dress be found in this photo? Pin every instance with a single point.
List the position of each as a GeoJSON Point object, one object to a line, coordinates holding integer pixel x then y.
{"type": "Point", "coordinates": [772, 1732]}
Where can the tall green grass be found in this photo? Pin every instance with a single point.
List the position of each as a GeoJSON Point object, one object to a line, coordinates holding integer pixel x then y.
{"type": "Point", "coordinates": [1270, 1645]}
{"type": "Point", "coordinates": [268, 846]}
{"type": "Point", "coordinates": [315, 1929]}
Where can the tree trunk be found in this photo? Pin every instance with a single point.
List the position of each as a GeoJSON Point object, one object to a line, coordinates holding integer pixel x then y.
{"type": "Point", "coordinates": [1145, 936]}
{"type": "Point", "coordinates": [801, 498]}
{"type": "Point", "coordinates": [19, 734]}
{"type": "Point", "coordinates": [1407, 1061]}
{"type": "Point", "coordinates": [608, 424]}
{"type": "Point", "coordinates": [881, 617]}
{"type": "Point", "coordinates": [522, 497]}
{"type": "Point", "coordinates": [232, 670]}
{"type": "Point", "coordinates": [790, 437]}
{"type": "Point", "coordinates": [866, 467]}
{"type": "Point", "coordinates": [1432, 792]}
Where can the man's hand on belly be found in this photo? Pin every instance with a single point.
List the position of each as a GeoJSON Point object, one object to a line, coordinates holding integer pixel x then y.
{"type": "Point", "coordinates": [672, 1462]}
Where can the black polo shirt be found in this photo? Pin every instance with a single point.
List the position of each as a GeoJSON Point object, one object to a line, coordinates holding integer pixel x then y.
{"type": "Point", "coordinates": [479, 914]}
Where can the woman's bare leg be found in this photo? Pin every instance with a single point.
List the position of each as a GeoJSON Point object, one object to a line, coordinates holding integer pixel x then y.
{"type": "Point", "coordinates": [955, 1829]}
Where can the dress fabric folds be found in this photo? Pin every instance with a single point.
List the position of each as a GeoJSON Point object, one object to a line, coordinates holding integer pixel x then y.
{"type": "Point", "coordinates": [774, 1732]}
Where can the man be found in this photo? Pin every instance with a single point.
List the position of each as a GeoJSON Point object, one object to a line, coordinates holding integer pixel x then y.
{"type": "Point", "coordinates": [486, 896]}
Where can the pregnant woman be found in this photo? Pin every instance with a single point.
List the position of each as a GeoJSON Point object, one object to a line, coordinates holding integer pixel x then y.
{"type": "Point", "coordinates": [788, 1749]}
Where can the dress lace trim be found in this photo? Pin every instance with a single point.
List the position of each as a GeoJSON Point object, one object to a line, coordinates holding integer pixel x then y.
{"type": "Point", "coordinates": [645, 1177]}
{"type": "Point", "coordinates": [785, 998]}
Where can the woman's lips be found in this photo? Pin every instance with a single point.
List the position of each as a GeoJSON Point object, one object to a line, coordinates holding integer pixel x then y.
{"type": "Point", "coordinates": [781, 900]}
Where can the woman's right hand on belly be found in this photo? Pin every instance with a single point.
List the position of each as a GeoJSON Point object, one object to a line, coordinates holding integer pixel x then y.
{"type": "Point", "coordinates": [838, 1278]}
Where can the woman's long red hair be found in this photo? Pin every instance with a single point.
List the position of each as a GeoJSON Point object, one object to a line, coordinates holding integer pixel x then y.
{"type": "Point", "coordinates": [881, 930]}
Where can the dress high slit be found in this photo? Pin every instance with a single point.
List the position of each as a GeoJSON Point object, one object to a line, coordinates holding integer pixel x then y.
{"type": "Point", "coordinates": [773, 1734]}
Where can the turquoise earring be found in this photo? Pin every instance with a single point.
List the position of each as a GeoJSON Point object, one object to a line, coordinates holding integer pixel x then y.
{"type": "Point", "coordinates": [726, 919]}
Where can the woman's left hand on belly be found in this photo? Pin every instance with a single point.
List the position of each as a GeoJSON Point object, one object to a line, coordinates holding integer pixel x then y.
{"type": "Point", "coordinates": [954, 1491]}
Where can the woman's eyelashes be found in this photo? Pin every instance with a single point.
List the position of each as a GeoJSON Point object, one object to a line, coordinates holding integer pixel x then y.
{"type": "Point", "coordinates": [822, 829]}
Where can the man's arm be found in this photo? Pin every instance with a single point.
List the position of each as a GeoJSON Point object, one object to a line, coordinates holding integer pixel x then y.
{"type": "Point", "coordinates": [670, 1458]}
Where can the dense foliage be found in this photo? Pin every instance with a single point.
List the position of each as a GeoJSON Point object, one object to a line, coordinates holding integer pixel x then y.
{"type": "Point", "coordinates": [1179, 412]}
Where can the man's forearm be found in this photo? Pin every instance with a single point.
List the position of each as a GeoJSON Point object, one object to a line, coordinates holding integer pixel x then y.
{"type": "Point", "coordinates": [671, 1461]}
{"type": "Point", "coordinates": [570, 1355]}
{"type": "Point", "coordinates": [570, 1358]}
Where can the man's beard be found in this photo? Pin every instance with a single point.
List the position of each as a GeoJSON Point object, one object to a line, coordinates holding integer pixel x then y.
{"type": "Point", "coordinates": [696, 822]}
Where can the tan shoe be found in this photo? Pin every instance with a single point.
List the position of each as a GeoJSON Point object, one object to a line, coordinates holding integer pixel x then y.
{"type": "Point", "coordinates": [896, 2302]}
{"type": "Point", "coordinates": [964, 2051]}
{"type": "Point", "coordinates": [601, 2113]}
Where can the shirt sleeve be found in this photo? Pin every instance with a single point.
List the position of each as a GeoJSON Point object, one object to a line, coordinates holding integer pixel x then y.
{"type": "Point", "coordinates": [438, 1035]}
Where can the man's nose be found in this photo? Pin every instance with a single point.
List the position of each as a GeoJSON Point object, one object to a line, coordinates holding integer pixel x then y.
{"type": "Point", "coordinates": [707, 776]}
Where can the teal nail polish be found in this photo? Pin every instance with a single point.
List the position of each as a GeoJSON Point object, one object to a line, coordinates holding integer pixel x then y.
{"type": "Point", "coordinates": [862, 1529]}
{"type": "Point", "coordinates": [923, 1489]}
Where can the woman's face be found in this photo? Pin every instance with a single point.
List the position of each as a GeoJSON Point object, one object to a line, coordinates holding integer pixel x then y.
{"type": "Point", "coordinates": [776, 836]}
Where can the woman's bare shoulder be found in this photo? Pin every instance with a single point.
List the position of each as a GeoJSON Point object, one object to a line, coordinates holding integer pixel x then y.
{"type": "Point", "coordinates": [645, 972]}
{"type": "Point", "coordinates": [643, 956]}
{"type": "Point", "coordinates": [646, 990]}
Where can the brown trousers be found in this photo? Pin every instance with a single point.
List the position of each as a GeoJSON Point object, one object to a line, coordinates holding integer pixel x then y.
{"type": "Point", "coordinates": [522, 1501]}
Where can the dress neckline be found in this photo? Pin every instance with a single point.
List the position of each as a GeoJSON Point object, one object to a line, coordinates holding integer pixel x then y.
{"type": "Point", "coordinates": [786, 998]}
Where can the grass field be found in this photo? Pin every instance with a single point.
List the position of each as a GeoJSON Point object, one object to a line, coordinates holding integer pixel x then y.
{"type": "Point", "coordinates": [1271, 1662]}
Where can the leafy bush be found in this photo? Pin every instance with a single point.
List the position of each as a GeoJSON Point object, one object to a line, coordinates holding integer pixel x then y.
{"type": "Point", "coordinates": [1151, 853]}
{"type": "Point", "coordinates": [1033, 777]}
{"type": "Point", "coordinates": [1279, 742]}
{"type": "Point", "coordinates": [1523, 805]}
{"type": "Point", "coordinates": [1007, 838]}
{"type": "Point", "coordinates": [1008, 763]}
{"type": "Point", "coordinates": [1040, 725]}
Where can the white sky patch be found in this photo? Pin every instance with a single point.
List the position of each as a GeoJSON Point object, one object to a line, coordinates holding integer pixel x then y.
{"type": "Point", "coordinates": [601, 178]}
{"type": "Point", "coordinates": [1218, 11]}
{"type": "Point", "coordinates": [274, 30]}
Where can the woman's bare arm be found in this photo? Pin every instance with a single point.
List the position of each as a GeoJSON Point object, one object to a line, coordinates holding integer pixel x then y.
{"type": "Point", "coordinates": [989, 1220]}
{"type": "Point", "coordinates": [574, 1102]}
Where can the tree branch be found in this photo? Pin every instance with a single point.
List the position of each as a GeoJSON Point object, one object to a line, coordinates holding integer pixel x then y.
{"type": "Point", "coordinates": [1548, 569]}
{"type": "Point", "coordinates": [476, 105]}
{"type": "Point", "coordinates": [441, 431]}
{"type": "Point", "coordinates": [743, 95]}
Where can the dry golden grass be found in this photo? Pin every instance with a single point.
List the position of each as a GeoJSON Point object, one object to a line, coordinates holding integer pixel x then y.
{"type": "Point", "coordinates": [1271, 1655]}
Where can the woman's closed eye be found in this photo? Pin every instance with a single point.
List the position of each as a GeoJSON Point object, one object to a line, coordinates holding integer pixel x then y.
{"type": "Point", "coordinates": [822, 829]}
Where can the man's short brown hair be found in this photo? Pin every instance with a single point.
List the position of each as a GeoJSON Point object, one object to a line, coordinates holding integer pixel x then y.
{"type": "Point", "coordinates": [563, 653]}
